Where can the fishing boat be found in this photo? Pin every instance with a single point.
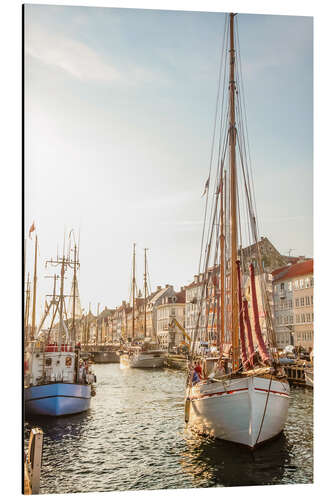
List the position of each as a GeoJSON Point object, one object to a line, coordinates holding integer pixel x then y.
{"type": "Point", "coordinates": [145, 355]}
{"type": "Point", "coordinates": [244, 398]}
{"type": "Point", "coordinates": [142, 352]}
{"type": "Point", "coordinates": [57, 381]}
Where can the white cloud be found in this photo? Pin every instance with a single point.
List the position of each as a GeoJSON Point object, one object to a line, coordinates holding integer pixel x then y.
{"type": "Point", "coordinates": [81, 61]}
{"type": "Point", "coordinates": [70, 55]}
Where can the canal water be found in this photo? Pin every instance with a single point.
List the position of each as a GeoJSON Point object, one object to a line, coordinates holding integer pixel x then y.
{"type": "Point", "coordinates": [134, 438]}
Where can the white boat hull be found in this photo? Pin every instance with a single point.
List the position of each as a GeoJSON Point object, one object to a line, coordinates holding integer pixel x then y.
{"type": "Point", "coordinates": [142, 360]}
{"type": "Point", "coordinates": [245, 410]}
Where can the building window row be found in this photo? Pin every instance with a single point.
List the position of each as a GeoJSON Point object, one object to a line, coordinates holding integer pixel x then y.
{"type": "Point", "coordinates": [308, 335]}
{"type": "Point", "coordinates": [304, 318]}
{"type": "Point", "coordinates": [303, 283]}
{"type": "Point", "coordinates": [304, 301]}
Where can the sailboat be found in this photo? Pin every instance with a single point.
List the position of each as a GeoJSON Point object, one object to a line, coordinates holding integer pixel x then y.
{"type": "Point", "coordinates": [56, 380]}
{"type": "Point", "coordinates": [143, 353]}
{"type": "Point", "coordinates": [244, 398]}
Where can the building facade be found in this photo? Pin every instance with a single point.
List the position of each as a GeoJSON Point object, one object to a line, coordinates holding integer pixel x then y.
{"type": "Point", "coordinates": [293, 304]}
{"type": "Point", "coordinates": [171, 307]}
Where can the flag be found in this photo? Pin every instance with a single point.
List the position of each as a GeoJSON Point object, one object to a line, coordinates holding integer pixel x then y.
{"type": "Point", "coordinates": [206, 188]}
{"type": "Point", "coordinates": [32, 229]}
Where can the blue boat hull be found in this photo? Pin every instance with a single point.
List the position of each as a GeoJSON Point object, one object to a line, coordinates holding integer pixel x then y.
{"type": "Point", "coordinates": [57, 399]}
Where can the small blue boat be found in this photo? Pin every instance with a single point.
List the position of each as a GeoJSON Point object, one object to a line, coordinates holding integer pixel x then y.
{"type": "Point", "coordinates": [57, 381]}
{"type": "Point", "coordinates": [57, 399]}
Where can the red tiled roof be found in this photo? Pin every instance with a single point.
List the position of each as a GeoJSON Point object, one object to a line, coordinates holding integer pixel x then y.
{"type": "Point", "coordinates": [279, 270]}
{"type": "Point", "coordinates": [299, 269]}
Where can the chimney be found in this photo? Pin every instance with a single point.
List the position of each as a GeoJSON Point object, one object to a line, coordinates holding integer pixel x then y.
{"type": "Point", "coordinates": [196, 278]}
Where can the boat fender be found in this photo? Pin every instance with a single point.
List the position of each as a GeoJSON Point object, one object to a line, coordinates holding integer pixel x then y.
{"type": "Point", "coordinates": [187, 409]}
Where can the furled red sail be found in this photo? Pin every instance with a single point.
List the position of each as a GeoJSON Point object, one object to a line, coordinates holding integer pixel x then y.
{"type": "Point", "coordinates": [245, 361]}
{"type": "Point", "coordinates": [248, 331]}
{"type": "Point", "coordinates": [261, 344]}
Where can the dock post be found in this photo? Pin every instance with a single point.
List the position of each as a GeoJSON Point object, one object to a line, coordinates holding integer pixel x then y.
{"type": "Point", "coordinates": [34, 458]}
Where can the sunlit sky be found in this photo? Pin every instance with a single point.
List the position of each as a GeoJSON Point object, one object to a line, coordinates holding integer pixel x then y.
{"type": "Point", "coordinates": [119, 110]}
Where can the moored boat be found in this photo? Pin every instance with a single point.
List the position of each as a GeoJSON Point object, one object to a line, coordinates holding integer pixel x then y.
{"type": "Point", "coordinates": [146, 356]}
{"type": "Point", "coordinates": [245, 397]}
{"type": "Point", "coordinates": [247, 410]}
{"type": "Point", "coordinates": [142, 352]}
{"type": "Point", "coordinates": [57, 381]}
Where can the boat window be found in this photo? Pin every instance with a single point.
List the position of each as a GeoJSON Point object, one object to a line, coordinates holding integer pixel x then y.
{"type": "Point", "coordinates": [48, 361]}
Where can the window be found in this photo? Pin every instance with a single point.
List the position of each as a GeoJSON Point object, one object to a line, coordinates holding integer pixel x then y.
{"type": "Point", "coordinates": [296, 284]}
{"type": "Point", "coordinates": [307, 301]}
{"type": "Point", "coordinates": [282, 286]}
{"type": "Point", "coordinates": [301, 283]}
{"type": "Point", "coordinates": [311, 281]}
{"type": "Point", "coordinates": [290, 287]}
{"type": "Point", "coordinates": [297, 318]}
{"type": "Point", "coordinates": [303, 318]}
{"type": "Point", "coordinates": [312, 300]}
{"type": "Point", "coordinates": [286, 320]}
{"type": "Point", "coordinates": [291, 319]}
{"type": "Point", "coordinates": [302, 301]}
{"type": "Point", "coordinates": [290, 304]}
{"type": "Point", "coordinates": [308, 317]}
{"type": "Point", "coordinates": [297, 303]}
{"type": "Point", "coordinates": [307, 282]}
{"type": "Point", "coordinates": [312, 317]}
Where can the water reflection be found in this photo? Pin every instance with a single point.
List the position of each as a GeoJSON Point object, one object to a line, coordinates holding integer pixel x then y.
{"type": "Point", "coordinates": [221, 463]}
{"type": "Point", "coordinates": [59, 428]}
{"type": "Point", "coordinates": [133, 438]}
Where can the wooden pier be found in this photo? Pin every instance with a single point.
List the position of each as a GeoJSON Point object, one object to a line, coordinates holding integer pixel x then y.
{"type": "Point", "coordinates": [296, 374]}
{"type": "Point", "coordinates": [33, 462]}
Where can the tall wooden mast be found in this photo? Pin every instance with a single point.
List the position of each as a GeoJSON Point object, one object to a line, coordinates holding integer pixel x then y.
{"type": "Point", "coordinates": [61, 299]}
{"type": "Point", "coordinates": [74, 298]}
{"type": "Point", "coordinates": [27, 309]}
{"type": "Point", "coordinates": [222, 291]}
{"type": "Point", "coordinates": [133, 292]}
{"type": "Point", "coordinates": [33, 325]}
{"type": "Point", "coordinates": [233, 203]}
{"type": "Point", "coordinates": [145, 292]}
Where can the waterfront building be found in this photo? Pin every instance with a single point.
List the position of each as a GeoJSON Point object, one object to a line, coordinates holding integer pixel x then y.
{"type": "Point", "coordinates": [293, 304]}
{"type": "Point", "coordinates": [155, 300]}
{"type": "Point", "coordinates": [172, 306]}
{"type": "Point", "coordinates": [209, 320]}
{"type": "Point", "coordinates": [271, 257]}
